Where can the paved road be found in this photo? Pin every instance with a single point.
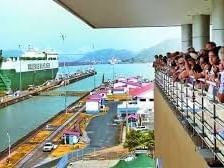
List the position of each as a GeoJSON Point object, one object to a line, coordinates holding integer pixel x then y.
{"type": "Point", "coordinates": [101, 131]}
{"type": "Point", "coordinates": [37, 155]}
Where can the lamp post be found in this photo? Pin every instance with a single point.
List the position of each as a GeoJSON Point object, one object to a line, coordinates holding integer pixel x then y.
{"type": "Point", "coordinates": [113, 72]}
{"type": "Point", "coordinates": [94, 81]}
{"type": "Point", "coordinates": [9, 143]}
{"type": "Point", "coordinates": [127, 115]}
{"type": "Point", "coordinates": [20, 75]}
{"type": "Point", "coordinates": [65, 80]}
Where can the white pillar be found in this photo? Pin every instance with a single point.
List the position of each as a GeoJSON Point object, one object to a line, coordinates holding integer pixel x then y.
{"type": "Point", "coordinates": [186, 36]}
{"type": "Point", "coordinates": [218, 21]}
{"type": "Point", "coordinates": [201, 24]}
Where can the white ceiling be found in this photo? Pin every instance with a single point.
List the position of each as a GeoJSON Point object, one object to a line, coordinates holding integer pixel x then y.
{"type": "Point", "coordinates": [136, 13]}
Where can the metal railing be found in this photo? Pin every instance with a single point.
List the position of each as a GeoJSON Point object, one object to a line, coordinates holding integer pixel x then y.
{"type": "Point", "coordinates": [198, 109]}
{"type": "Point", "coordinates": [72, 156]}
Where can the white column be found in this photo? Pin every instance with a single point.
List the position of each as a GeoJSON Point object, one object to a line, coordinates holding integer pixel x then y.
{"type": "Point", "coordinates": [186, 36]}
{"type": "Point", "coordinates": [218, 21]}
{"type": "Point", "coordinates": [201, 24]}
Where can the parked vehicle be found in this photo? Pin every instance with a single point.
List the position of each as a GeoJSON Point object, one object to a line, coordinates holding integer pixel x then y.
{"type": "Point", "coordinates": [119, 120]}
{"type": "Point", "coordinates": [48, 147]}
{"type": "Point", "coordinates": [141, 128]}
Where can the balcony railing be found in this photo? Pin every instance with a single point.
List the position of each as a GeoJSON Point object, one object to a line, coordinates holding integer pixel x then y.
{"type": "Point", "coordinates": [198, 110]}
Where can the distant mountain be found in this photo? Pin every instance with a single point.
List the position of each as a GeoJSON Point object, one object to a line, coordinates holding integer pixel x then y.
{"type": "Point", "coordinates": [104, 55]}
{"type": "Point", "coordinates": [147, 55]}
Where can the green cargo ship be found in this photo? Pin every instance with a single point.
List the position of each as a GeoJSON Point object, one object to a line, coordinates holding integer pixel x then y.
{"type": "Point", "coordinates": [31, 68]}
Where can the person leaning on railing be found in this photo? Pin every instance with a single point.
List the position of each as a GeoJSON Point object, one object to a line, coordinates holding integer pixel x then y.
{"type": "Point", "coordinates": [220, 94]}
{"type": "Point", "coordinates": [191, 66]}
{"type": "Point", "coordinates": [212, 74]}
{"type": "Point", "coordinates": [160, 62]}
{"type": "Point", "coordinates": [156, 61]}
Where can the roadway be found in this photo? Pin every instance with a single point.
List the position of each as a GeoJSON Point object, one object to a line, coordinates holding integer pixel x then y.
{"type": "Point", "coordinates": [101, 132]}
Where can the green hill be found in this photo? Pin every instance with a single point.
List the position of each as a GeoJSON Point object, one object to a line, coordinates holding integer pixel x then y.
{"type": "Point", "coordinates": [147, 55]}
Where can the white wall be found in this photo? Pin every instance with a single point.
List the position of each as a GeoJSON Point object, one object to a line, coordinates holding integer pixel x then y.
{"type": "Point", "coordinates": [92, 106]}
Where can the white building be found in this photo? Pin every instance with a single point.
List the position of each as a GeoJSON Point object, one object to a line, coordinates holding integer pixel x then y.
{"type": "Point", "coordinates": [93, 104]}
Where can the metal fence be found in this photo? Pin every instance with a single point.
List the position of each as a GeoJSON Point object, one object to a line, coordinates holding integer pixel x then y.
{"type": "Point", "coordinates": [73, 156]}
{"type": "Point", "coordinates": [198, 110]}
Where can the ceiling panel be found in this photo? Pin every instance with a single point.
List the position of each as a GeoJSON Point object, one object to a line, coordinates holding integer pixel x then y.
{"type": "Point", "coordinates": [136, 13]}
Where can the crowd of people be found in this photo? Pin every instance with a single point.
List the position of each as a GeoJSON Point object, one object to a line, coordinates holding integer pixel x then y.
{"type": "Point", "coordinates": [208, 63]}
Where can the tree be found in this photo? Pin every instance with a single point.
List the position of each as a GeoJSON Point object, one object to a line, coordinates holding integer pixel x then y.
{"type": "Point", "coordinates": [133, 139]}
{"type": "Point", "coordinates": [150, 140]}
{"type": "Point", "coordinates": [136, 139]}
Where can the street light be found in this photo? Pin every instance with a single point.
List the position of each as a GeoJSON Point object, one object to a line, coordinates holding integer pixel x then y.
{"type": "Point", "coordinates": [127, 115]}
{"type": "Point", "coordinates": [9, 144]}
{"type": "Point", "coordinates": [20, 75]}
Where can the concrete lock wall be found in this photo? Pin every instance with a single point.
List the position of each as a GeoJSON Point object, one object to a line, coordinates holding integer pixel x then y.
{"type": "Point", "coordinates": [173, 145]}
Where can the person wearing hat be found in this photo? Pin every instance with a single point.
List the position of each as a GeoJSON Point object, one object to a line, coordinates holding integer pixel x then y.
{"type": "Point", "coordinates": [194, 55]}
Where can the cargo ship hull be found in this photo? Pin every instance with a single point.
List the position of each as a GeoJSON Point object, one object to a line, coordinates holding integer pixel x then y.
{"type": "Point", "coordinates": [10, 79]}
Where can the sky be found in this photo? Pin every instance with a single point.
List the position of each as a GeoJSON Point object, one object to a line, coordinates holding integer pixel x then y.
{"type": "Point", "coordinates": [40, 23]}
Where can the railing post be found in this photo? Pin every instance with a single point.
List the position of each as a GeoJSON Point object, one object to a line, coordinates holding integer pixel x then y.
{"type": "Point", "coordinates": [172, 90]}
{"type": "Point", "coordinates": [193, 99]}
{"type": "Point", "coordinates": [168, 85]}
{"type": "Point", "coordinates": [202, 109]}
{"type": "Point", "coordinates": [177, 93]}
{"type": "Point", "coordinates": [214, 122]}
{"type": "Point", "coordinates": [164, 82]}
{"type": "Point", "coordinates": [172, 93]}
{"type": "Point", "coordinates": [186, 95]}
{"type": "Point", "coordinates": [181, 99]}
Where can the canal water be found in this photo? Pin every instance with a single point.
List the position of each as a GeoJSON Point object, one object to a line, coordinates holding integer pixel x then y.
{"type": "Point", "coordinates": [20, 118]}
